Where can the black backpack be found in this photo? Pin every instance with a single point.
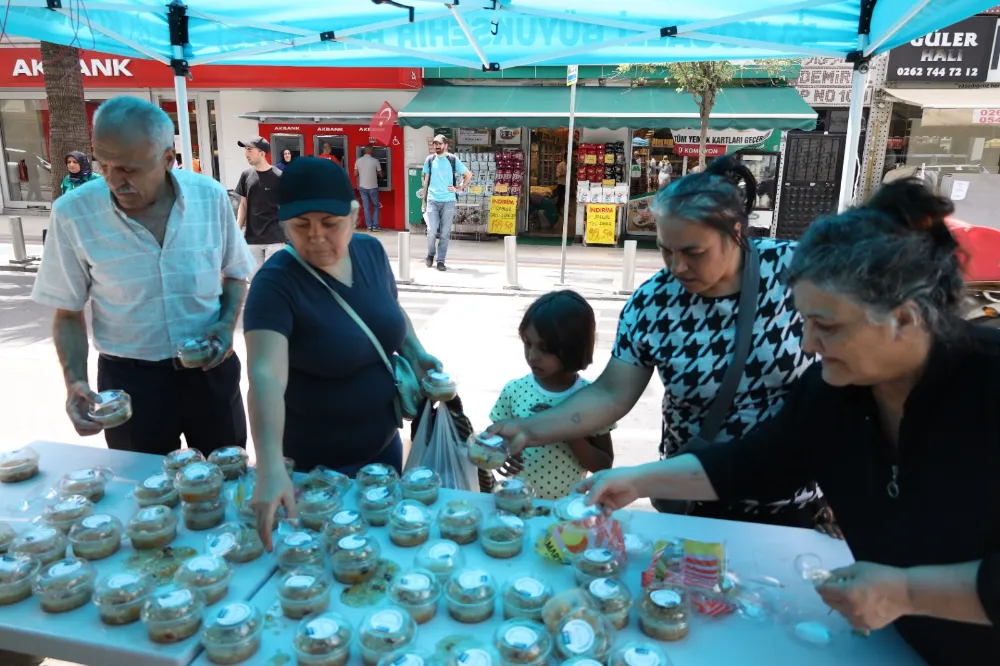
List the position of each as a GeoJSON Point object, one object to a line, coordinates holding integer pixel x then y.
{"type": "Point", "coordinates": [429, 163]}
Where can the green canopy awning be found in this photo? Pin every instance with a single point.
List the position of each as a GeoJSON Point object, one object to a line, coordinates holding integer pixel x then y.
{"type": "Point", "coordinates": [596, 107]}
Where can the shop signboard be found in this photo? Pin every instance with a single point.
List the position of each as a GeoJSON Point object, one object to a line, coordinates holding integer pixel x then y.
{"type": "Point", "coordinates": [720, 142]}
{"type": "Point", "coordinates": [503, 215]}
{"type": "Point", "coordinates": [468, 136]}
{"type": "Point", "coordinates": [508, 136]}
{"type": "Point", "coordinates": [827, 82]}
{"type": "Point", "coordinates": [986, 116]}
{"type": "Point", "coordinates": [960, 53]}
{"type": "Point", "coordinates": [894, 143]}
{"type": "Point", "coordinates": [600, 224]}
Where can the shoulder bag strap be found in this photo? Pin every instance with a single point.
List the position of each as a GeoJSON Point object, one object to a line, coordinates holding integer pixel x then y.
{"type": "Point", "coordinates": [347, 308]}
{"type": "Point", "coordinates": [745, 318]}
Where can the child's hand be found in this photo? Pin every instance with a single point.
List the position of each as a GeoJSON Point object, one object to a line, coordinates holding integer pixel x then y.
{"type": "Point", "coordinates": [513, 466]}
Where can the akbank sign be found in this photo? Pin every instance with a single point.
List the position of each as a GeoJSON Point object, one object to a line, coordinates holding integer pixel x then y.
{"type": "Point", "coordinates": [92, 67]}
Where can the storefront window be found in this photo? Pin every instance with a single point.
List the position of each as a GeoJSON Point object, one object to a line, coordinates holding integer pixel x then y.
{"type": "Point", "coordinates": [213, 137]}
{"type": "Point", "coordinates": [497, 163]}
{"type": "Point", "coordinates": [170, 106]}
{"type": "Point", "coordinates": [29, 172]}
{"type": "Point", "coordinates": [549, 177]}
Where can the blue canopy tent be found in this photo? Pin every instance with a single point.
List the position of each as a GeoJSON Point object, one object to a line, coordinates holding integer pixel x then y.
{"type": "Point", "coordinates": [492, 34]}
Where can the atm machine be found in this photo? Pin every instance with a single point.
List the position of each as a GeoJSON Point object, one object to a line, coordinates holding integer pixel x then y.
{"type": "Point", "coordinates": [280, 142]}
{"type": "Point", "coordinates": [339, 144]}
{"type": "Point", "coordinates": [384, 157]}
{"type": "Point", "coordinates": [764, 166]}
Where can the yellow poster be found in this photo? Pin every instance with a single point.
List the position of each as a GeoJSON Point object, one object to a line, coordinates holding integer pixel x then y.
{"type": "Point", "coordinates": [600, 224]}
{"type": "Point", "coordinates": [609, 158]}
{"type": "Point", "coordinates": [590, 159]}
{"type": "Point", "coordinates": [503, 215]}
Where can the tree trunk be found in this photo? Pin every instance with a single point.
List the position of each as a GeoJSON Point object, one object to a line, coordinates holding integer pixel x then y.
{"type": "Point", "coordinates": [704, 111]}
{"type": "Point", "coordinates": [68, 126]}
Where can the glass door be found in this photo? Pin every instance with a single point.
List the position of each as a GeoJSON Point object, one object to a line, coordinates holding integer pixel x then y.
{"type": "Point", "coordinates": [169, 104]}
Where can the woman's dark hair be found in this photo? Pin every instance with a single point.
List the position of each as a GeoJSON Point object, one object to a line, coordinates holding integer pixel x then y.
{"type": "Point", "coordinates": [565, 322]}
{"type": "Point", "coordinates": [720, 197]}
{"type": "Point", "coordinates": [894, 249]}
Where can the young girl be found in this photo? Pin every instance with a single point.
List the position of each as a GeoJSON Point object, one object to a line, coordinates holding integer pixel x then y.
{"type": "Point", "coordinates": [558, 333]}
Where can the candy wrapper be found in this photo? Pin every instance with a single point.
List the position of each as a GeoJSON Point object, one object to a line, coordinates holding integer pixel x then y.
{"type": "Point", "coordinates": [564, 540]}
{"type": "Point", "coordinates": [698, 567]}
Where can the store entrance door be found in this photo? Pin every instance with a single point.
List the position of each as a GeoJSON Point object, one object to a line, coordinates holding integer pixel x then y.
{"type": "Point", "coordinates": [204, 138]}
{"type": "Point", "coordinates": [810, 182]}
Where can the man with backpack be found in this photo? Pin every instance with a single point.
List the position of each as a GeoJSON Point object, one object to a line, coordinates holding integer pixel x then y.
{"type": "Point", "coordinates": [441, 171]}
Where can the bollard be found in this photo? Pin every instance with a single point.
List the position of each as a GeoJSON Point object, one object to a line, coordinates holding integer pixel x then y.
{"type": "Point", "coordinates": [17, 237]}
{"type": "Point", "coordinates": [628, 268]}
{"type": "Point", "coordinates": [510, 261]}
{"type": "Point", "coordinates": [404, 258]}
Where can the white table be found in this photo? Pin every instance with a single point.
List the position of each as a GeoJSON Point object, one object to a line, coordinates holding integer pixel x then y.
{"type": "Point", "coordinates": [79, 636]}
{"type": "Point", "coordinates": [754, 550]}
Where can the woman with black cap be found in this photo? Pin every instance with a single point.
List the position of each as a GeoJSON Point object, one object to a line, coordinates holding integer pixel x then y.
{"type": "Point", "coordinates": [80, 172]}
{"type": "Point", "coordinates": [320, 392]}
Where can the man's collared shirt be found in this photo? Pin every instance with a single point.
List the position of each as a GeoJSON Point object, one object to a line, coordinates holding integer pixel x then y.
{"type": "Point", "coordinates": [146, 299]}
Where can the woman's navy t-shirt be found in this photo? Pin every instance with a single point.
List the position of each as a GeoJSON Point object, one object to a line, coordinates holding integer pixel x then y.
{"type": "Point", "coordinates": [339, 408]}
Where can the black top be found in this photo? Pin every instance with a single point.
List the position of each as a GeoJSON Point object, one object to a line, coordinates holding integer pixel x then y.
{"type": "Point", "coordinates": [339, 401]}
{"type": "Point", "coordinates": [261, 190]}
{"type": "Point", "coordinates": [948, 506]}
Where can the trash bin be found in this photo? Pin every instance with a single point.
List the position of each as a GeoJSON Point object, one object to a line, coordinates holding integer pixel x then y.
{"type": "Point", "coordinates": [414, 181]}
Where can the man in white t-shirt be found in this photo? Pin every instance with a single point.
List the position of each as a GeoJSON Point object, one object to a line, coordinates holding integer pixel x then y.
{"type": "Point", "coordinates": [368, 170]}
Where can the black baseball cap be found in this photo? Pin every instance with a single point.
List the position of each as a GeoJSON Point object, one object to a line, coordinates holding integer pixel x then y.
{"type": "Point", "coordinates": [314, 185]}
{"type": "Point", "coordinates": [258, 142]}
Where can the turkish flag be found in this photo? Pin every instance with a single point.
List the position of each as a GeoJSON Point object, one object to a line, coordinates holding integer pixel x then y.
{"type": "Point", "coordinates": [382, 122]}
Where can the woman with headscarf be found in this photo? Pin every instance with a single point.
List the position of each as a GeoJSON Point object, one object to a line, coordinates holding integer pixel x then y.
{"type": "Point", "coordinates": [286, 159]}
{"type": "Point", "coordinates": [80, 172]}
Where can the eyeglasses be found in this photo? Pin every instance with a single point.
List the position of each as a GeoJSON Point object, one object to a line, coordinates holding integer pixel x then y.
{"type": "Point", "coordinates": [438, 143]}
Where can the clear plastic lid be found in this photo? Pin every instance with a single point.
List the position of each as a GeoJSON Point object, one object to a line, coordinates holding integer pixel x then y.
{"type": "Point", "coordinates": [299, 547]}
{"type": "Point", "coordinates": [441, 557]}
{"type": "Point", "coordinates": [585, 633]}
{"type": "Point", "coordinates": [513, 489]}
{"type": "Point", "coordinates": [65, 575]}
{"type": "Point", "coordinates": [411, 515]}
{"type": "Point", "coordinates": [18, 457]}
{"type": "Point", "coordinates": [460, 513]}
{"type": "Point", "coordinates": [7, 535]}
{"type": "Point", "coordinates": [439, 378]}
{"type": "Point", "coordinates": [408, 656]}
{"type": "Point", "coordinates": [319, 501]}
{"type": "Point", "coordinates": [110, 406]}
{"type": "Point", "coordinates": [16, 568]}
{"type": "Point", "coordinates": [304, 583]}
{"type": "Point", "coordinates": [83, 481]}
{"type": "Point", "coordinates": [156, 518]}
{"type": "Point", "coordinates": [123, 588]}
{"type": "Point", "coordinates": [173, 602]}
{"type": "Point", "coordinates": [608, 594]}
{"type": "Point", "coordinates": [521, 641]}
{"type": "Point", "coordinates": [39, 540]}
{"type": "Point", "coordinates": [637, 545]}
{"type": "Point", "coordinates": [502, 526]}
{"type": "Point", "coordinates": [199, 476]}
{"type": "Point", "coordinates": [376, 498]}
{"type": "Point", "coordinates": [66, 510]}
{"type": "Point", "coordinates": [377, 474]}
{"type": "Point", "coordinates": [355, 550]}
{"type": "Point", "coordinates": [469, 586]}
{"type": "Point", "coordinates": [421, 478]}
{"type": "Point", "coordinates": [203, 570]}
{"type": "Point", "coordinates": [331, 477]}
{"type": "Point", "coordinates": [574, 507]}
{"type": "Point", "coordinates": [488, 451]}
{"type": "Point", "coordinates": [195, 351]}
{"type": "Point", "coordinates": [476, 653]}
{"type": "Point", "coordinates": [96, 528]}
{"type": "Point", "coordinates": [527, 592]}
{"type": "Point", "coordinates": [233, 537]}
{"type": "Point", "coordinates": [664, 602]}
{"type": "Point", "coordinates": [343, 523]}
{"type": "Point", "coordinates": [599, 563]}
{"type": "Point", "coordinates": [639, 653]}
{"type": "Point", "coordinates": [415, 587]}
{"type": "Point", "coordinates": [324, 633]}
{"type": "Point", "coordinates": [387, 627]}
{"type": "Point", "coordinates": [158, 486]}
{"type": "Point", "coordinates": [179, 458]}
{"type": "Point", "coordinates": [232, 623]}
{"type": "Point", "coordinates": [229, 456]}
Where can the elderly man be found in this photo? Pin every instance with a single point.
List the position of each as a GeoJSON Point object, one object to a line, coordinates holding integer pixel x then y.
{"type": "Point", "coordinates": [158, 254]}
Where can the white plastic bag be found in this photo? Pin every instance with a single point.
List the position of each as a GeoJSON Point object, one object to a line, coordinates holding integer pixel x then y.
{"type": "Point", "coordinates": [438, 446]}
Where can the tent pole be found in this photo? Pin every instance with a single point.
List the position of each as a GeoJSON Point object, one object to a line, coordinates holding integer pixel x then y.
{"type": "Point", "coordinates": [567, 189]}
{"type": "Point", "coordinates": [859, 83]}
{"type": "Point", "coordinates": [183, 119]}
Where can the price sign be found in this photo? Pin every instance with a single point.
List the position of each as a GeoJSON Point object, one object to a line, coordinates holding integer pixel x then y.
{"type": "Point", "coordinates": [475, 189]}
{"type": "Point", "coordinates": [503, 215]}
{"type": "Point", "coordinates": [500, 188]}
{"type": "Point", "coordinates": [608, 182]}
{"type": "Point", "coordinates": [601, 224]}
{"type": "Point", "coordinates": [590, 159]}
{"type": "Point", "coordinates": [609, 158]}
{"type": "Point", "coordinates": [986, 116]}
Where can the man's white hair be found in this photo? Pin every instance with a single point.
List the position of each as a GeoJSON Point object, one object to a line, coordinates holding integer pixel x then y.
{"type": "Point", "coordinates": [129, 117]}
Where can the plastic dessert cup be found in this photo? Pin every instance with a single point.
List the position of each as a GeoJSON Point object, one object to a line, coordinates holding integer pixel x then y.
{"type": "Point", "coordinates": [157, 489]}
{"type": "Point", "coordinates": [304, 591]}
{"type": "Point", "coordinates": [231, 635]}
{"type": "Point", "coordinates": [410, 524]}
{"type": "Point", "coordinates": [195, 352]}
{"type": "Point", "coordinates": [514, 496]}
{"type": "Point", "coordinates": [612, 599]}
{"type": "Point", "coordinates": [376, 503]}
{"type": "Point", "coordinates": [471, 596]}
{"type": "Point", "coordinates": [377, 474]}
{"type": "Point", "coordinates": [597, 563]}
{"type": "Point", "coordinates": [343, 523]}
{"type": "Point", "coordinates": [65, 585]}
{"type": "Point", "coordinates": [45, 544]}
{"type": "Point", "coordinates": [199, 482]}
{"type": "Point", "coordinates": [317, 506]}
{"type": "Point", "coordinates": [503, 536]}
{"type": "Point", "coordinates": [422, 484]}
{"type": "Point", "coordinates": [354, 559]}
{"type": "Point", "coordinates": [664, 613]}
{"type": "Point", "coordinates": [441, 557]}
{"type": "Point", "coordinates": [232, 460]}
{"type": "Point", "coordinates": [204, 515]}
{"type": "Point", "coordinates": [323, 640]}
{"type": "Point", "coordinates": [7, 536]}
{"type": "Point", "coordinates": [523, 642]}
{"type": "Point", "coordinates": [119, 597]}
{"type": "Point", "coordinates": [173, 613]}
{"type": "Point", "coordinates": [586, 633]}
{"type": "Point", "coordinates": [299, 549]}
{"type": "Point", "coordinates": [384, 631]}
{"type": "Point", "coordinates": [64, 512]}
{"type": "Point", "coordinates": [236, 543]}
{"type": "Point", "coordinates": [524, 596]}
{"type": "Point", "coordinates": [18, 465]}
{"type": "Point", "coordinates": [175, 460]}
{"type": "Point", "coordinates": [152, 527]}
{"type": "Point", "coordinates": [488, 452]}
{"type": "Point", "coordinates": [417, 592]}
{"type": "Point", "coordinates": [111, 409]}
{"type": "Point", "coordinates": [17, 573]}
{"type": "Point", "coordinates": [96, 537]}
{"type": "Point", "coordinates": [89, 483]}
{"type": "Point", "coordinates": [208, 574]}
{"type": "Point", "coordinates": [459, 521]}
{"type": "Point", "coordinates": [639, 653]}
